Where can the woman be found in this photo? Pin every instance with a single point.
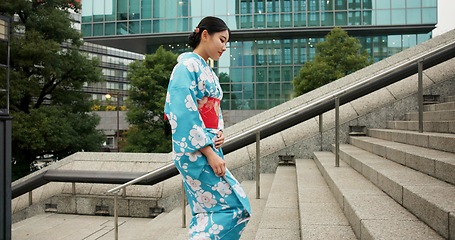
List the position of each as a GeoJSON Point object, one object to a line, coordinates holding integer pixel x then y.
{"type": "Point", "coordinates": [220, 207]}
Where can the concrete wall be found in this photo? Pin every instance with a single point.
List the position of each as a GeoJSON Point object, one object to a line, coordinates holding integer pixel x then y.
{"type": "Point", "coordinates": [88, 195]}
{"type": "Point", "coordinates": [232, 117]}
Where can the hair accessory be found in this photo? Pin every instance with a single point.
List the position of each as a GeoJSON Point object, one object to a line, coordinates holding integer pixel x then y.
{"type": "Point", "coordinates": [196, 30]}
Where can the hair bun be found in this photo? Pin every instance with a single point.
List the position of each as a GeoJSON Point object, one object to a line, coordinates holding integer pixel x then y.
{"type": "Point", "coordinates": [193, 40]}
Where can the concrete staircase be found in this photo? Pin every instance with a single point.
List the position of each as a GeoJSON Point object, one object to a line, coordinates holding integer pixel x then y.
{"type": "Point", "coordinates": [295, 203]}
{"type": "Point", "coordinates": [395, 183]}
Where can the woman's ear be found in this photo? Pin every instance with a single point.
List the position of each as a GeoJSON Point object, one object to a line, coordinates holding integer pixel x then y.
{"type": "Point", "coordinates": [204, 35]}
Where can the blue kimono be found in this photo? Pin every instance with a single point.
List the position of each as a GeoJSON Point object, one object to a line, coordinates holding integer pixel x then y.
{"type": "Point", "coordinates": [219, 205]}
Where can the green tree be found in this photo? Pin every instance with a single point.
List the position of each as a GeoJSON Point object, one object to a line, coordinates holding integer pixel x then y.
{"type": "Point", "coordinates": [51, 115]}
{"type": "Point", "coordinates": [336, 57]}
{"type": "Point", "coordinates": [149, 79]}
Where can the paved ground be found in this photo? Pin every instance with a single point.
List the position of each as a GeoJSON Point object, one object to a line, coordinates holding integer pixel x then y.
{"type": "Point", "coordinates": [77, 227]}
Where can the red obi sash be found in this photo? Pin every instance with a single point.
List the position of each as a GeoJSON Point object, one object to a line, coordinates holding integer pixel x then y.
{"type": "Point", "coordinates": [209, 109]}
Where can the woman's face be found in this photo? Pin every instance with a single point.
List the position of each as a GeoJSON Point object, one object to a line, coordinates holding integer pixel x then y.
{"type": "Point", "coordinates": [215, 44]}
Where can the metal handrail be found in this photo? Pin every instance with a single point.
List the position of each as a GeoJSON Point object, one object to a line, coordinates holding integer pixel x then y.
{"type": "Point", "coordinates": [243, 139]}
{"type": "Point", "coordinates": [340, 92]}
{"type": "Point", "coordinates": [316, 107]}
{"type": "Point", "coordinates": [303, 113]}
{"type": "Point", "coordinates": [443, 49]}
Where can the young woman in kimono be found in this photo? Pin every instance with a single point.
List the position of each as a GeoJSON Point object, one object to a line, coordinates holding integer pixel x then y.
{"type": "Point", "coordinates": [219, 205]}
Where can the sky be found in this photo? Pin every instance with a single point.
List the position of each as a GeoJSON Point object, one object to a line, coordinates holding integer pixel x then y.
{"type": "Point", "coordinates": [446, 20]}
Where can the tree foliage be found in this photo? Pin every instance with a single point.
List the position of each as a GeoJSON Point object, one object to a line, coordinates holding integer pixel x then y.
{"type": "Point", "coordinates": [336, 57]}
{"type": "Point", "coordinates": [149, 79]}
{"type": "Point", "coordinates": [50, 113]}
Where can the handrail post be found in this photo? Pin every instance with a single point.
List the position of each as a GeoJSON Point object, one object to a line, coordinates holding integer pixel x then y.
{"type": "Point", "coordinates": [183, 206]}
{"type": "Point", "coordinates": [320, 127]}
{"type": "Point", "coordinates": [337, 131]}
{"type": "Point", "coordinates": [420, 94]}
{"type": "Point", "coordinates": [115, 216]}
{"type": "Point", "coordinates": [30, 198]}
{"type": "Point", "coordinates": [258, 165]}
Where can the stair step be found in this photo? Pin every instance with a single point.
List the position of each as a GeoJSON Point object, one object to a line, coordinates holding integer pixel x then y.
{"type": "Point", "coordinates": [449, 105]}
{"type": "Point", "coordinates": [320, 215]}
{"type": "Point", "coordinates": [71, 226]}
{"type": "Point", "coordinates": [159, 225]}
{"type": "Point", "coordinates": [257, 205]}
{"type": "Point", "coordinates": [438, 164]}
{"type": "Point", "coordinates": [31, 220]}
{"type": "Point", "coordinates": [449, 99]}
{"type": "Point", "coordinates": [368, 209]}
{"type": "Point", "coordinates": [50, 226]}
{"type": "Point", "coordinates": [431, 200]}
{"type": "Point", "coordinates": [441, 115]}
{"type": "Point", "coordinates": [428, 126]}
{"type": "Point", "coordinates": [128, 229]}
{"type": "Point", "coordinates": [432, 140]}
{"type": "Point", "coordinates": [177, 232]}
{"type": "Point", "coordinates": [280, 219]}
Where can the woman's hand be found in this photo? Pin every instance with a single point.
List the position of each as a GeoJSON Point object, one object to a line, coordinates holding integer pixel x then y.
{"type": "Point", "coordinates": [218, 165]}
{"type": "Point", "coordinates": [216, 162]}
{"type": "Point", "coordinates": [219, 140]}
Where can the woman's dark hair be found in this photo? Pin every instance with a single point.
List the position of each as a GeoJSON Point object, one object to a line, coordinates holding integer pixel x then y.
{"type": "Point", "coordinates": [211, 24]}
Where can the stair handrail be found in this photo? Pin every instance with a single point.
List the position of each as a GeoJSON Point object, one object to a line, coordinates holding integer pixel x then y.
{"type": "Point", "coordinates": [300, 114]}
{"type": "Point", "coordinates": [170, 168]}
{"type": "Point", "coordinates": [345, 89]}
{"type": "Point", "coordinates": [230, 142]}
{"type": "Point", "coordinates": [294, 117]}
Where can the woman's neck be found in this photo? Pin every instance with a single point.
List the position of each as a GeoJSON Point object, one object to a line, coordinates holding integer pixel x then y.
{"type": "Point", "coordinates": [200, 53]}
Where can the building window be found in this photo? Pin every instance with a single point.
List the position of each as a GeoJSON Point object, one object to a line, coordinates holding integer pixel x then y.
{"type": "Point", "coordinates": [254, 73]}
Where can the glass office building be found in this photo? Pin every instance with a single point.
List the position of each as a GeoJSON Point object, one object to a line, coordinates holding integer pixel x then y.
{"type": "Point", "coordinates": [114, 66]}
{"type": "Point", "coordinates": [270, 40]}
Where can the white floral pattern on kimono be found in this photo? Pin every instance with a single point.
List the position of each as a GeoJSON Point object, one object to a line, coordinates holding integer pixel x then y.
{"type": "Point", "coordinates": [219, 205]}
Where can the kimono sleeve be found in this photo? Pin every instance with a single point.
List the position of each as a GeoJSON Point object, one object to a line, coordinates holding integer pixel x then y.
{"type": "Point", "coordinates": [188, 131]}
